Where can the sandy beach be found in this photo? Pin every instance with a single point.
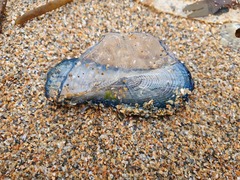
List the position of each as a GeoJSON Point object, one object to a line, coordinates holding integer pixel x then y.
{"type": "Point", "coordinates": [42, 140]}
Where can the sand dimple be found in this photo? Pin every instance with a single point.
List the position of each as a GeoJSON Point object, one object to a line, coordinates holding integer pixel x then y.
{"type": "Point", "coordinates": [41, 140]}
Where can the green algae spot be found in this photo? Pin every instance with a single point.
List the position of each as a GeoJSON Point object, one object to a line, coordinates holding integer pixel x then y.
{"type": "Point", "coordinates": [109, 95]}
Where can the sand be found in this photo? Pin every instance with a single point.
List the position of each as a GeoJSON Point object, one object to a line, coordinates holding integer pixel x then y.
{"type": "Point", "coordinates": [41, 140]}
{"type": "Point", "coordinates": [176, 7]}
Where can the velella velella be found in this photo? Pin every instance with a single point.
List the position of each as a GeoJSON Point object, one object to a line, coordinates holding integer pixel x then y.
{"type": "Point", "coordinates": [128, 70]}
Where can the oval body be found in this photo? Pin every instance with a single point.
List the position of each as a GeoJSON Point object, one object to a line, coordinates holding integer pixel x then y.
{"type": "Point", "coordinates": [129, 69]}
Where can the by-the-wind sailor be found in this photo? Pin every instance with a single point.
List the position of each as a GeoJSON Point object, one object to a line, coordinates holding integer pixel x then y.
{"type": "Point", "coordinates": [124, 70]}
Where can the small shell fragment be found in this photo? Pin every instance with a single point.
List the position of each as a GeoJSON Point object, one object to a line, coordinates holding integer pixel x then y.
{"type": "Point", "coordinates": [230, 34]}
{"type": "Point", "coordinates": [128, 70]}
